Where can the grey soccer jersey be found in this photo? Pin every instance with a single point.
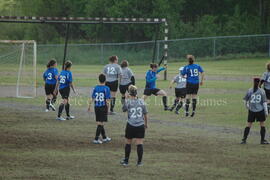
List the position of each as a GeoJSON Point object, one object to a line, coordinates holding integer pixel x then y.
{"type": "Point", "coordinates": [255, 100]}
{"type": "Point", "coordinates": [266, 78]}
{"type": "Point", "coordinates": [112, 72]}
{"type": "Point", "coordinates": [181, 82]}
{"type": "Point", "coordinates": [136, 110]}
{"type": "Point", "coordinates": [126, 76]}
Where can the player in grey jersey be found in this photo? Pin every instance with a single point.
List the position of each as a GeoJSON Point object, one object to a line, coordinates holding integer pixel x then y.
{"type": "Point", "coordinates": [113, 73]}
{"type": "Point", "coordinates": [256, 104]}
{"type": "Point", "coordinates": [265, 81]}
{"type": "Point", "coordinates": [180, 91]}
{"type": "Point", "coordinates": [126, 80]}
{"type": "Point", "coordinates": [137, 122]}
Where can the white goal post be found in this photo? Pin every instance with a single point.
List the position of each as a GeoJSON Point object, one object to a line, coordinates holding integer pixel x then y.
{"type": "Point", "coordinates": [24, 56]}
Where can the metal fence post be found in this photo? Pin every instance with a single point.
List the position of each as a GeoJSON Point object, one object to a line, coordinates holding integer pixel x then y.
{"type": "Point", "coordinates": [214, 48]}
{"type": "Point", "coordinates": [158, 46]}
{"type": "Point", "coordinates": [102, 53]}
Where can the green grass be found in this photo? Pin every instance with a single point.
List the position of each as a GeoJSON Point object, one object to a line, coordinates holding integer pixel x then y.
{"type": "Point", "coordinates": [35, 146]}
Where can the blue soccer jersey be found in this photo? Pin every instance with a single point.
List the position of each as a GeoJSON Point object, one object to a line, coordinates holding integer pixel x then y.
{"type": "Point", "coordinates": [100, 94]}
{"type": "Point", "coordinates": [65, 78]}
{"type": "Point", "coordinates": [49, 76]}
{"type": "Point", "coordinates": [151, 78]}
{"type": "Point", "coordinates": [192, 72]}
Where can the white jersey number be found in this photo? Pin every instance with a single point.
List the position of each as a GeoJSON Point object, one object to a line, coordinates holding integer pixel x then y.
{"type": "Point", "coordinates": [63, 79]}
{"type": "Point", "coordinates": [49, 76]}
{"type": "Point", "coordinates": [256, 98]}
{"type": "Point", "coordinates": [99, 97]}
{"type": "Point", "coordinates": [181, 79]}
{"type": "Point", "coordinates": [136, 112]}
{"type": "Point", "coordinates": [194, 72]}
{"type": "Point", "coordinates": [268, 79]}
{"type": "Point", "coordinates": [111, 70]}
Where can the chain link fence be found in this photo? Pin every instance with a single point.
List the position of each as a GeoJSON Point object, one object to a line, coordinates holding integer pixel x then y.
{"type": "Point", "coordinates": [222, 47]}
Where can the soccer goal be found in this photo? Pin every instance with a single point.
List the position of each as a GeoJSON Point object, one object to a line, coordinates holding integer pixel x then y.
{"type": "Point", "coordinates": [18, 67]}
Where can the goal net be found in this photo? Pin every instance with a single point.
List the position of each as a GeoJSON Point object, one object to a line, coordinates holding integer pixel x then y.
{"type": "Point", "coordinates": [18, 68]}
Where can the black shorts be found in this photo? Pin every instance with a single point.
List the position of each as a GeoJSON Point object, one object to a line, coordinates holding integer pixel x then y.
{"type": "Point", "coordinates": [49, 88]}
{"type": "Point", "coordinates": [134, 132]}
{"type": "Point", "coordinates": [267, 92]}
{"type": "Point", "coordinates": [101, 114]}
{"type": "Point", "coordinates": [65, 92]}
{"type": "Point", "coordinates": [124, 88]}
{"type": "Point", "coordinates": [112, 85]}
{"type": "Point", "coordinates": [192, 88]}
{"type": "Point", "coordinates": [180, 92]}
{"type": "Point", "coordinates": [149, 92]}
{"type": "Point", "coordinates": [258, 116]}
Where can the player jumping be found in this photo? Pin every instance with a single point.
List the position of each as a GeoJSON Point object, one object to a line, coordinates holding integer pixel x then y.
{"type": "Point", "coordinates": [101, 97]}
{"type": "Point", "coordinates": [256, 103]}
{"type": "Point", "coordinates": [113, 73]}
{"type": "Point", "coordinates": [265, 81]}
{"type": "Point", "coordinates": [180, 91]}
{"type": "Point", "coordinates": [136, 125]}
{"type": "Point", "coordinates": [150, 87]}
{"type": "Point", "coordinates": [50, 77]}
{"type": "Point", "coordinates": [192, 71]}
{"type": "Point", "coordinates": [126, 80]}
{"type": "Point", "coordinates": [64, 83]}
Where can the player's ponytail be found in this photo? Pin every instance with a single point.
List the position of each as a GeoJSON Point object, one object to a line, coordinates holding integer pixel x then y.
{"type": "Point", "coordinates": [132, 90]}
{"type": "Point", "coordinates": [51, 63]}
{"type": "Point", "coordinates": [68, 64]}
{"type": "Point", "coordinates": [268, 66]}
{"type": "Point", "coordinates": [112, 59]}
{"type": "Point", "coordinates": [124, 63]}
{"type": "Point", "coordinates": [256, 82]}
{"type": "Point", "coordinates": [153, 65]}
{"type": "Point", "coordinates": [190, 59]}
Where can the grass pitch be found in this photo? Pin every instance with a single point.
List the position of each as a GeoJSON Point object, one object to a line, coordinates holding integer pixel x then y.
{"type": "Point", "coordinates": [35, 146]}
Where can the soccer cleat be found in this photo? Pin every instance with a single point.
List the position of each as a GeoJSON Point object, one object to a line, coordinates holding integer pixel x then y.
{"type": "Point", "coordinates": [166, 108]}
{"type": "Point", "coordinates": [112, 113]}
{"type": "Point", "coordinates": [47, 110]}
{"type": "Point", "coordinates": [176, 112]}
{"type": "Point", "coordinates": [187, 114]}
{"type": "Point", "coordinates": [52, 106]}
{"type": "Point", "coordinates": [243, 141]}
{"type": "Point", "coordinates": [70, 117]}
{"type": "Point", "coordinates": [264, 142]}
{"type": "Point", "coordinates": [172, 108]}
{"type": "Point", "coordinates": [139, 164]}
{"type": "Point", "coordinates": [193, 114]}
{"type": "Point", "coordinates": [60, 118]}
{"type": "Point", "coordinates": [124, 162]}
{"type": "Point", "coordinates": [106, 140]}
{"type": "Point", "coordinates": [97, 142]}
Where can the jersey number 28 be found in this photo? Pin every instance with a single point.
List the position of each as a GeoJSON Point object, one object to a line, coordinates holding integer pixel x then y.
{"type": "Point", "coordinates": [99, 97]}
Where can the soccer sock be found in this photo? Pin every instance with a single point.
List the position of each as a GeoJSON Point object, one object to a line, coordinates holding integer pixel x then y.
{"type": "Point", "coordinates": [140, 152]}
{"type": "Point", "coordinates": [112, 104]}
{"type": "Point", "coordinates": [103, 132]}
{"type": "Point", "coordinates": [179, 105]}
{"type": "Point", "coordinates": [246, 132]}
{"type": "Point", "coordinates": [187, 105]}
{"type": "Point", "coordinates": [164, 100]}
{"type": "Point", "coordinates": [67, 109]}
{"type": "Point", "coordinates": [48, 101]}
{"type": "Point", "coordinates": [54, 99]}
{"type": "Point", "coordinates": [175, 103]}
{"type": "Point", "coordinates": [194, 103]}
{"type": "Point", "coordinates": [61, 107]}
{"type": "Point", "coordinates": [98, 131]}
{"type": "Point", "coordinates": [123, 99]}
{"type": "Point", "coordinates": [127, 151]}
{"type": "Point", "coordinates": [262, 133]}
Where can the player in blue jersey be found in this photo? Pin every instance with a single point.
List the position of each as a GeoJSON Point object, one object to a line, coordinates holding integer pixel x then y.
{"type": "Point", "coordinates": [101, 98]}
{"type": "Point", "coordinates": [64, 84]}
{"type": "Point", "coordinates": [192, 72]}
{"type": "Point", "coordinates": [50, 78]}
{"type": "Point", "coordinates": [150, 87]}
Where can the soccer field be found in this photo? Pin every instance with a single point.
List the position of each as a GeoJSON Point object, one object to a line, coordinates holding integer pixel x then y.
{"type": "Point", "coordinates": [33, 145]}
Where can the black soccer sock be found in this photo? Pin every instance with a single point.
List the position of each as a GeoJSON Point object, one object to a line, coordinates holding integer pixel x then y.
{"type": "Point", "coordinates": [60, 110]}
{"type": "Point", "coordinates": [103, 132]}
{"type": "Point", "coordinates": [98, 131]}
{"type": "Point", "coordinates": [179, 105]}
{"type": "Point", "coordinates": [164, 100]}
{"type": "Point", "coordinates": [140, 152]}
{"type": "Point", "coordinates": [54, 99]}
{"type": "Point", "coordinates": [123, 99]}
{"type": "Point", "coordinates": [187, 105]}
{"type": "Point", "coordinates": [48, 101]}
{"type": "Point", "coordinates": [194, 103]}
{"type": "Point", "coordinates": [262, 133]}
{"type": "Point", "coordinates": [112, 103]}
{"type": "Point", "coordinates": [246, 132]}
{"type": "Point", "coordinates": [127, 151]}
{"type": "Point", "coordinates": [67, 109]}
